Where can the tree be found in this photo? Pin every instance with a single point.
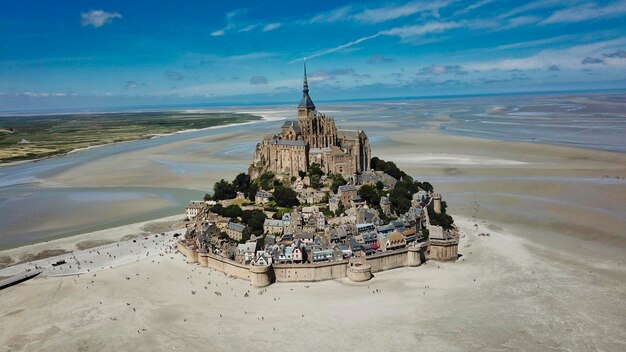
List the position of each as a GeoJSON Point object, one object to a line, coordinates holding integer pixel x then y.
{"type": "Point", "coordinates": [426, 186]}
{"type": "Point", "coordinates": [375, 164]}
{"type": "Point", "coordinates": [392, 170]}
{"type": "Point", "coordinates": [265, 179]}
{"type": "Point", "coordinates": [337, 180]}
{"type": "Point", "coordinates": [316, 181]}
{"type": "Point", "coordinates": [207, 197]}
{"type": "Point", "coordinates": [252, 191]}
{"type": "Point", "coordinates": [340, 209]}
{"type": "Point", "coordinates": [231, 211]}
{"type": "Point", "coordinates": [301, 174]}
{"type": "Point", "coordinates": [254, 219]}
{"type": "Point", "coordinates": [315, 169]}
{"type": "Point", "coordinates": [442, 219]}
{"type": "Point", "coordinates": [285, 197]}
{"type": "Point", "coordinates": [223, 190]}
{"type": "Point", "coordinates": [325, 198]}
{"type": "Point", "coordinates": [379, 185]}
{"type": "Point", "coordinates": [241, 183]}
{"type": "Point", "coordinates": [369, 194]}
{"type": "Point", "coordinates": [216, 209]}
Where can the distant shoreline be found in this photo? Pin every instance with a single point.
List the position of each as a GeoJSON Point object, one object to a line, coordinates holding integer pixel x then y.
{"type": "Point", "coordinates": [288, 103]}
{"type": "Point", "coordinates": [148, 136]}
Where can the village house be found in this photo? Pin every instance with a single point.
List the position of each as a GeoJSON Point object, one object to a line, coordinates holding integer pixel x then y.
{"type": "Point", "coordinates": [306, 238]}
{"type": "Point", "coordinates": [345, 194]}
{"type": "Point", "coordinates": [355, 246]}
{"type": "Point", "coordinates": [246, 252]}
{"type": "Point", "coordinates": [261, 198]}
{"type": "Point", "coordinates": [366, 227]}
{"type": "Point", "coordinates": [339, 233]}
{"type": "Point", "coordinates": [194, 207]}
{"type": "Point", "coordinates": [297, 254]}
{"type": "Point", "coordinates": [391, 241]}
{"type": "Point", "coordinates": [357, 202]}
{"type": "Point", "coordinates": [322, 255]}
{"type": "Point", "coordinates": [273, 226]}
{"type": "Point", "coordinates": [385, 205]}
{"type": "Point", "coordinates": [371, 177]}
{"type": "Point", "coordinates": [263, 258]}
{"type": "Point", "coordinates": [333, 204]}
{"type": "Point", "coordinates": [310, 196]}
{"type": "Point", "coordinates": [236, 231]}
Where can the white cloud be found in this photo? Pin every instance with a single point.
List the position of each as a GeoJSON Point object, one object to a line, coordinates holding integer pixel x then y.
{"type": "Point", "coordinates": [474, 6]}
{"type": "Point", "coordinates": [248, 28]}
{"type": "Point", "coordinates": [406, 32]}
{"type": "Point", "coordinates": [258, 80]}
{"type": "Point", "coordinates": [336, 15]}
{"type": "Point", "coordinates": [586, 12]}
{"type": "Point", "coordinates": [380, 14]}
{"type": "Point", "coordinates": [97, 18]}
{"type": "Point", "coordinates": [535, 5]}
{"type": "Point", "coordinates": [271, 26]}
{"type": "Point", "coordinates": [569, 58]}
{"type": "Point", "coordinates": [421, 29]}
{"type": "Point", "coordinates": [231, 22]}
{"type": "Point", "coordinates": [340, 47]}
{"type": "Point", "coordinates": [387, 13]}
{"type": "Point", "coordinates": [436, 70]}
{"type": "Point", "coordinates": [533, 43]}
{"type": "Point", "coordinates": [131, 85]}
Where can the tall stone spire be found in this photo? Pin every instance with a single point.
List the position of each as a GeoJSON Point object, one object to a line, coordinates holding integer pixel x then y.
{"type": "Point", "coordinates": [306, 103]}
{"type": "Point", "coordinates": [305, 86]}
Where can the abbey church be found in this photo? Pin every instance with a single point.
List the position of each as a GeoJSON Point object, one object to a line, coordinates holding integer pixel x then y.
{"type": "Point", "coordinates": [313, 138]}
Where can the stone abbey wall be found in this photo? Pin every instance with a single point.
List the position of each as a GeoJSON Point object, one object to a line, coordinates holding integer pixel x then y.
{"type": "Point", "coordinates": [310, 272]}
{"type": "Point", "coordinates": [261, 276]}
{"type": "Point", "coordinates": [443, 250]}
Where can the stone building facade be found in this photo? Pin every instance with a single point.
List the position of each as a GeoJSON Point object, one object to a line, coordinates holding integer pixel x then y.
{"type": "Point", "coordinates": [313, 138]}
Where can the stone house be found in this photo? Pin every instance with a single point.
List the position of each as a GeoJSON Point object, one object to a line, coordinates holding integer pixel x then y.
{"type": "Point", "coordinates": [194, 208]}
{"type": "Point", "coordinates": [262, 197]}
{"type": "Point", "coordinates": [246, 252]}
{"type": "Point", "coordinates": [391, 241]}
{"type": "Point", "coordinates": [345, 194]}
{"type": "Point", "coordinates": [333, 204]}
{"type": "Point", "coordinates": [236, 231]}
{"type": "Point", "coordinates": [273, 226]}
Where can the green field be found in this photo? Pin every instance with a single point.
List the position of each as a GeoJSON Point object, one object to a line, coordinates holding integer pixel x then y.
{"type": "Point", "coordinates": [34, 137]}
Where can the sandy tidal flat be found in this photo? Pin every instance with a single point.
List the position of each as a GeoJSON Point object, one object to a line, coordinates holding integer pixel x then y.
{"type": "Point", "coordinates": [504, 294]}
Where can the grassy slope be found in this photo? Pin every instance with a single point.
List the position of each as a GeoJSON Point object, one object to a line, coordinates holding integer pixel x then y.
{"type": "Point", "coordinates": [34, 137]}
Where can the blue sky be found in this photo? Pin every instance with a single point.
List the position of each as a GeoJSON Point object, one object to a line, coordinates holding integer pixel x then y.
{"type": "Point", "coordinates": [89, 54]}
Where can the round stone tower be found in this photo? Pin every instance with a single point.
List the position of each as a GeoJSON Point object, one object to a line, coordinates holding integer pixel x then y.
{"type": "Point", "coordinates": [358, 270]}
{"type": "Point", "coordinates": [261, 275]}
{"type": "Point", "coordinates": [437, 203]}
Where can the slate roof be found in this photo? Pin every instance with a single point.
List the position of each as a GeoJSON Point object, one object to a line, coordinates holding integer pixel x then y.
{"type": "Point", "coordinates": [272, 222]}
{"type": "Point", "coordinates": [346, 188]}
{"type": "Point", "coordinates": [293, 124]}
{"type": "Point", "coordinates": [235, 226]}
{"type": "Point", "coordinates": [288, 142]}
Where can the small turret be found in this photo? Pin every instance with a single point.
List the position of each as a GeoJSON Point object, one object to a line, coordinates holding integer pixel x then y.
{"type": "Point", "coordinates": [437, 203]}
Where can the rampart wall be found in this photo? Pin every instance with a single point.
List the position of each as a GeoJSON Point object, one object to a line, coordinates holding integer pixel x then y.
{"type": "Point", "coordinates": [261, 276]}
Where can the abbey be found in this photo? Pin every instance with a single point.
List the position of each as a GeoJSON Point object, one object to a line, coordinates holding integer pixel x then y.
{"type": "Point", "coordinates": [313, 138]}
